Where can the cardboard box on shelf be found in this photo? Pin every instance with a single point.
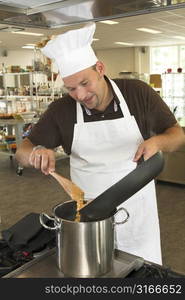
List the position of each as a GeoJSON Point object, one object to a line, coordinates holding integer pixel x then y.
{"type": "Point", "coordinates": [15, 69]}
{"type": "Point", "coordinates": [155, 80]}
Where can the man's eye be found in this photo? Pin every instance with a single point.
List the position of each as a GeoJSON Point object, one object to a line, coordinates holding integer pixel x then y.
{"type": "Point", "coordinates": [84, 83]}
{"type": "Point", "coordinates": [71, 89]}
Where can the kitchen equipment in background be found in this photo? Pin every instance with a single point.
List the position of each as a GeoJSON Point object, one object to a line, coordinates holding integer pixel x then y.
{"type": "Point", "coordinates": [156, 81]}
{"type": "Point", "coordinates": [1, 92]}
{"type": "Point", "coordinates": [103, 206]}
{"type": "Point", "coordinates": [6, 116]}
{"type": "Point", "coordinates": [128, 75]}
{"type": "Point", "coordinates": [173, 92]}
{"type": "Point", "coordinates": [54, 14]}
{"type": "Point", "coordinates": [27, 116]}
{"type": "Point", "coordinates": [179, 70]}
{"type": "Point", "coordinates": [84, 249]}
{"type": "Point", "coordinates": [175, 109]}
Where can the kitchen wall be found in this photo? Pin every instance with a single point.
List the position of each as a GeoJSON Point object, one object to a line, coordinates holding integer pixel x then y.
{"type": "Point", "coordinates": [117, 60]}
{"type": "Point", "coordinates": [21, 58]}
{"type": "Point", "coordinates": [130, 59]}
{"type": "Point", "coordinates": [142, 59]}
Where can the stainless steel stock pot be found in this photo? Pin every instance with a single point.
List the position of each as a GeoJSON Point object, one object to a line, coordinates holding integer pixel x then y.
{"type": "Point", "coordinates": [84, 249]}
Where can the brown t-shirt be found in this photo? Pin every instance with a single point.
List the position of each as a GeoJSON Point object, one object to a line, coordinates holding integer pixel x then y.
{"type": "Point", "coordinates": [56, 126]}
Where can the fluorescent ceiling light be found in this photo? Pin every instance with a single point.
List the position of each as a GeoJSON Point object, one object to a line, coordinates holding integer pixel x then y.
{"type": "Point", "coordinates": [148, 30]}
{"type": "Point", "coordinates": [96, 40]}
{"type": "Point", "coordinates": [123, 43]}
{"type": "Point", "coordinates": [28, 33]}
{"type": "Point", "coordinates": [179, 37]}
{"type": "Point", "coordinates": [28, 47]}
{"type": "Point", "coordinates": [109, 22]}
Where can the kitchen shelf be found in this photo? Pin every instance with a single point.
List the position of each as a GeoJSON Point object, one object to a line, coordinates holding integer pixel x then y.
{"type": "Point", "coordinates": [26, 91]}
{"type": "Point", "coordinates": [16, 97]}
{"type": "Point", "coordinates": [41, 94]}
{"type": "Point", "coordinates": [173, 92]}
{"type": "Point", "coordinates": [16, 127]}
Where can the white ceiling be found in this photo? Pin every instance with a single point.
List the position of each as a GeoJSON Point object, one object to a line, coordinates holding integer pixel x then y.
{"type": "Point", "coordinates": [171, 23]}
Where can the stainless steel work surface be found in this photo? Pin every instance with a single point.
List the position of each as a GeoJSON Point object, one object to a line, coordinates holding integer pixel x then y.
{"type": "Point", "coordinates": [45, 266]}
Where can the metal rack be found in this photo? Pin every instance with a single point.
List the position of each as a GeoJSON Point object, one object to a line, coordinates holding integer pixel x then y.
{"type": "Point", "coordinates": [15, 127]}
{"type": "Point", "coordinates": [173, 92]}
{"type": "Point", "coordinates": [25, 91]}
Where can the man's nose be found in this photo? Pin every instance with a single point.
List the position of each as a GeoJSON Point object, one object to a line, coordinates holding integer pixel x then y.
{"type": "Point", "coordinates": [81, 93]}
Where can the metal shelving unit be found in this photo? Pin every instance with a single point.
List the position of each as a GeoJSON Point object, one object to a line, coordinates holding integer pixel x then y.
{"type": "Point", "coordinates": [15, 127]}
{"type": "Point", "coordinates": [24, 91]}
{"type": "Point", "coordinates": [17, 95]}
{"type": "Point", "coordinates": [173, 93]}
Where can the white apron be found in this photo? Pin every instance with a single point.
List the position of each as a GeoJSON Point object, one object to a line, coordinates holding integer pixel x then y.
{"type": "Point", "coordinates": [102, 153]}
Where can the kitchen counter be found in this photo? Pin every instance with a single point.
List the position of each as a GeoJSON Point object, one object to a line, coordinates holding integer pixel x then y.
{"type": "Point", "coordinates": [125, 265]}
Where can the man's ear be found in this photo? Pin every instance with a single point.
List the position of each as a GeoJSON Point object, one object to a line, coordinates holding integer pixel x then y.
{"type": "Point", "coordinates": [100, 68]}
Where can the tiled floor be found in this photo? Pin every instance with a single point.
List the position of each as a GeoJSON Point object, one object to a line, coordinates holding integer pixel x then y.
{"type": "Point", "coordinates": [35, 192]}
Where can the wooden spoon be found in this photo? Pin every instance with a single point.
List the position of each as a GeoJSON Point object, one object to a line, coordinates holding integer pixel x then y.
{"type": "Point", "coordinates": [72, 189]}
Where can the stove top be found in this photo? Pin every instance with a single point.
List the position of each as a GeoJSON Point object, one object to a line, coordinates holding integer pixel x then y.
{"type": "Point", "coordinates": [43, 265]}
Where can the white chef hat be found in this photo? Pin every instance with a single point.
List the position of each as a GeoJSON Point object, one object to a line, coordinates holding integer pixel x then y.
{"type": "Point", "coordinates": [72, 50]}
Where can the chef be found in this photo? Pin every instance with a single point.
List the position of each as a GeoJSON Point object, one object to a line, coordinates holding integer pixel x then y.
{"type": "Point", "coordinates": [105, 126]}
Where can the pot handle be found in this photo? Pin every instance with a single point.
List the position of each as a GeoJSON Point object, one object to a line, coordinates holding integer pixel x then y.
{"type": "Point", "coordinates": [125, 212]}
{"type": "Point", "coordinates": [41, 218]}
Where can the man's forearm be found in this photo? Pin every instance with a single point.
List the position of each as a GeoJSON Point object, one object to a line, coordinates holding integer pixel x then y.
{"type": "Point", "coordinates": [168, 141]}
{"type": "Point", "coordinates": [171, 139]}
{"type": "Point", "coordinates": [38, 157]}
{"type": "Point", "coordinates": [23, 152]}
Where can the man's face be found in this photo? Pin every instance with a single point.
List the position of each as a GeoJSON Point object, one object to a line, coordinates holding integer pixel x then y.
{"type": "Point", "coordinates": [87, 87]}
